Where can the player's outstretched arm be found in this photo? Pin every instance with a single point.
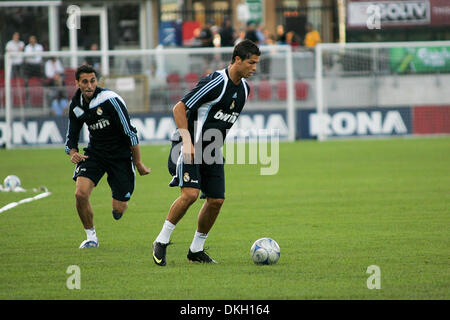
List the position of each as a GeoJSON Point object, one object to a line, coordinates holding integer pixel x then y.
{"type": "Point", "coordinates": [179, 114]}
{"type": "Point", "coordinates": [140, 166]}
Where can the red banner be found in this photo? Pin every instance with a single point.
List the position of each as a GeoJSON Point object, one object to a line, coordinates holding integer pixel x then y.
{"type": "Point", "coordinates": [431, 119]}
{"type": "Point", "coordinates": [440, 12]}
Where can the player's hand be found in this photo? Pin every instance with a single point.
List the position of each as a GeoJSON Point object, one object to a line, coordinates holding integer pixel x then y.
{"type": "Point", "coordinates": [142, 169]}
{"type": "Point", "coordinates": [77, 157]}
{"type": "Point", "coordinates": [188, 153]}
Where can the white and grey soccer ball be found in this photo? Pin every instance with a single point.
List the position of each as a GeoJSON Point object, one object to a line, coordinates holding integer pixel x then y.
{"type": "Point", "coordinates": [11, 182]}
{"type": "Point", "coordinates": [265, 251]}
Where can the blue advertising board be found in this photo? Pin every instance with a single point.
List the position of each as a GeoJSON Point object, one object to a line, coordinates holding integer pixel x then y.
{"type": "Point", "coordinates": [170, 33]}
{"type": "Point", "coordinates": [151, 128]}
{"type": "Point", "coordinates": [158, 128]}
{"type": "Point", "coordinates": [353, 122]}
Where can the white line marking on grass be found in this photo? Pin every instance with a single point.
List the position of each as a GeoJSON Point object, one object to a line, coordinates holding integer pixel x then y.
{"type": "Point", "coordinates": [26, 200]}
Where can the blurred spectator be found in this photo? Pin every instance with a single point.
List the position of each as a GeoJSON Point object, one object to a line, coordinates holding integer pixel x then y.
{"type": "Point", "coordinates": [240, 37]}
{"type": "Point", "coordinates": [157, 80]}
{"type": "Point", "coordinates": [292, 39]}
{"type": "Point", "coordinates": [312, 36]}
{"type": "Point", "coordinates": [15, 45]}
{"type": "Point", "coordinates": [196, 42]}
{"type": "Point", "coordinates": [271, 39]}
{"type": "Point", "coordinates": [93, 61]}
{"type": "Point", "coordinates": [260, 34]}
{"type": "Point", "coordinates": [227, 34]}
{"type": "Point", "coordinates": [33, 65]}
{"type": "Point", "coordinates": [60, 104]}
{"type": "Point", "coordinates": [157, 86]}
{"type": "Point", "coordinates": [215, 36]}
{"type": "Point", "coordinates": [54, 72]}
{"type": "Point", "coordinates": [206, 36]}
{"type": "Point", "coordinates": [250, 33]}
{"type": "Point", "coordinates": [281, 34]}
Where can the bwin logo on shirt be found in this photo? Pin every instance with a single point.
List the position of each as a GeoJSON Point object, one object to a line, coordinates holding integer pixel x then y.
{"type": "Point", "coordinates": [100, 124]}
{"type": "Point", "coordinates": [231, 118]}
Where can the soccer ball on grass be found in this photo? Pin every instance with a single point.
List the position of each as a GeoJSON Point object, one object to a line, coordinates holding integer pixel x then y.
{"type": "Point", "coordinates": [11, 182]}
{"type": "Point", "coordinates": [265, 251]}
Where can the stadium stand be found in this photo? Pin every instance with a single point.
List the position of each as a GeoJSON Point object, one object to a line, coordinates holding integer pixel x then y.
{"type": "Point", "coordinates": [18, 92]}
{"type": "Point", "coordinates": [301, 90]}
{"type": "Point", "coordinates": [191, 79]}
{"type": "Point", "coordinates": [35, 92]}
{"type": "Point", "coordinates": [264, 90]}
{"type": "Point", "coordinates": [281, 89]}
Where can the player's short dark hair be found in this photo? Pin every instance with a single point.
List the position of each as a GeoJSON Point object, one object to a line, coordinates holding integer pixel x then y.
{"type": "Point", "coordinates": [85, 68]}
{"type": "Point", "coordinates": [245, 49]}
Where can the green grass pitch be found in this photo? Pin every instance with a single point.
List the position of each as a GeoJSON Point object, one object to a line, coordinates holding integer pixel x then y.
{"type": "Point", "coordinates": [334, 207]}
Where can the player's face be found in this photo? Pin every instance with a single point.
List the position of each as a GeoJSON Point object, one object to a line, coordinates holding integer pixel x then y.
{"type": "Point", "coordinates": [87, 84]}
{"type": "Point", "coordinates": [247, 67]}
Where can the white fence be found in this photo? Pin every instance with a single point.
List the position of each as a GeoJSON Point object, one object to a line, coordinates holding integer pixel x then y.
{"type": "Point", "coordinates": [376, 77]}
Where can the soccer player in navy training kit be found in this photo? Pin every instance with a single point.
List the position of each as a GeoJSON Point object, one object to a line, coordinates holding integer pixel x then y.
{"type": "Point", "coordinates": [113, 148]}
{"type": "Point", "coordinates": [209, 110]}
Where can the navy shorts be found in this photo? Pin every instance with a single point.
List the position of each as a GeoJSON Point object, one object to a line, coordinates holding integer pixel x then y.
{"type": "Point", "coordinates": [209, 178]}
{"type": "Point", "coordinates": [121, 174]}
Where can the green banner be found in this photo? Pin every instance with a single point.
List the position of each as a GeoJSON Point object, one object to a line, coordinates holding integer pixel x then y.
{"type": "Point", "coordinates": [255, 8]}
{"type": "Point", "coordinates": [420, 59]}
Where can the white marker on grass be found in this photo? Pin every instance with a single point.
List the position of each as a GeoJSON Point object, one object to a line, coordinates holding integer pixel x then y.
{"type": "Point", "coordinates": [11, 205]}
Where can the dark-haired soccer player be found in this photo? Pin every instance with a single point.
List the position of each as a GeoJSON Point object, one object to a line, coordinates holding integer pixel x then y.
{"type": "Point", "coordinates": [203, 117]}
{"type": "Point", "coordinates": [113, 148]}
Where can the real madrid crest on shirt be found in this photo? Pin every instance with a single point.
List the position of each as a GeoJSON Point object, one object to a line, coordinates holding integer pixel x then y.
{"type": "Point", "coordinates": [99, 111]}
{"type": "Point", "coordinates": [234, 100]}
